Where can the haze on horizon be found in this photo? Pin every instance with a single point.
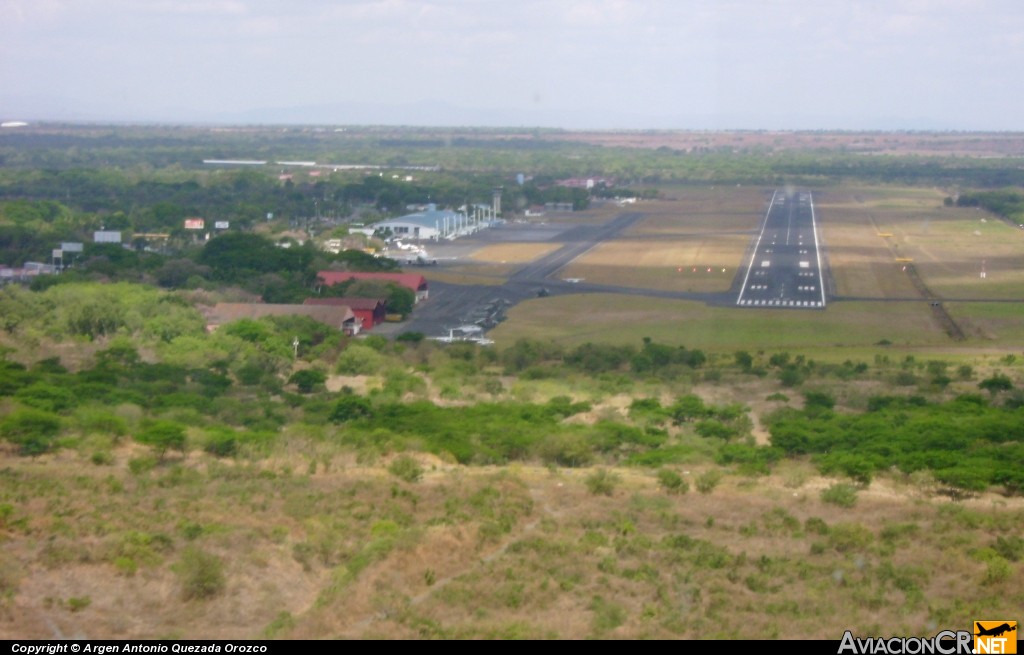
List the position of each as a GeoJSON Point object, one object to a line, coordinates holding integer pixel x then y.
{"type": "Point", "coordinates": [605, 64]}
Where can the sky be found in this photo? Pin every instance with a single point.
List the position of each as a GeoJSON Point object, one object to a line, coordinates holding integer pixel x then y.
{"type": "Point", "coordinates": [597, 64]}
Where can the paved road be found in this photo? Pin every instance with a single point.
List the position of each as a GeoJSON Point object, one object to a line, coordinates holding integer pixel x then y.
{"type": "Point", "coordinates": [784, 270]}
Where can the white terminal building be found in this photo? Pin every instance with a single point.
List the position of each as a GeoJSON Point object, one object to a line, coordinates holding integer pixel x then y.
{"type": "Point", "coordinates": [433, 224]}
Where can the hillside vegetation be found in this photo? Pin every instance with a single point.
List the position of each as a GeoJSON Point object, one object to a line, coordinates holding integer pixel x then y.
{"type": "Point", "coordinates": [162, 481]}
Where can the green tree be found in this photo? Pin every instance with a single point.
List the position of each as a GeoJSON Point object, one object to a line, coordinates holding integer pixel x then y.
{"type": "Point", "coordinates": [744, 360]}
{"type": "Point", "coordinates": [350, 407]}
{"type": "Point", "coordinates": [308, 379]}
{"type": "Point", "coordinates": [996, 383]}
{"type": "Point", "coordinates": [687, 408]}
{"type": "Point", "coordinates": [32, 430]}
{"type": "Point", "coordinates": [163, 436]}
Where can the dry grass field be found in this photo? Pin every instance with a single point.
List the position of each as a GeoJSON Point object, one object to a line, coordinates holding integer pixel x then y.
{"type": "Point", "coordinates": [867, 232]}
{"type": "Point", "coordinates": [513, 253]}
{"type": "Point", "coordinates": [674, 247]}
{"type": "Point", "coordinates": [704, 264]}
{"type": "Point", "coordinates": [862, 262]}
{"type": "Point", "coordinates": [310, 544]}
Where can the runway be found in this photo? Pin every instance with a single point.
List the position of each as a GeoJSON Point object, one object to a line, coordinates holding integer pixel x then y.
{"type": "Point", "coordinates": [784, 270]}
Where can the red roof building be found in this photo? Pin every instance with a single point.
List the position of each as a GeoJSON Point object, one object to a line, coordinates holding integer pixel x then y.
{"type": "Point", "coordinates": [417, 283]}
{"type": "Point", "coordinates": [371, 310]}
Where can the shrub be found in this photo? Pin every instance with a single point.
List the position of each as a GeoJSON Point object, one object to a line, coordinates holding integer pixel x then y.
{"type": "Point", "coordinates": [565, 449]}
{"type": "Point", "coordinates": [818, 400]}
{"type": "Point", "coordinates": [221, 442]}
{"type": "Point", "coordinates": [905, 379]}
{"type": "Point", "coordinates": [997, 570]}
{"type": "Point", "coordinates": [202, 574]}
{"type": "Point", "coordinates": [350, 407]}
{"type": "Point", "coordinates": [410, 337]}
{"type": "Point", "coordinates": [1012, 547]}
{"type": "Point", "coordinates": [607, 615]}
{"type": "Point", "coordinates": [140, 465]}
{"type": "Point", "coordinates": [672, 482]}
{"type": "Point", "coordinates": [791, 377]}
{"type": "Point", "coordinates": [996, 383]}
{"type": "Point", "coordinates": [102, 458]}
{"type": "Point", "coordinates": [405, 467]}
{"type": "Point", "coordinates": [714, 429]}
{"type": "Point", "coordinates": [859, 468]}
{"type": "Point", "coordinates": [843, 495]}
{"type": "Point", "coordinates": [602, 482]}
{"type": "Point", "coordinates": [850, 537]}
{"type": "Point", "coordinates": [101, 421]}
{"type": "Point", "coordinates": [126, 565]}
{"type": "Point", "coordinates": [708, 480]}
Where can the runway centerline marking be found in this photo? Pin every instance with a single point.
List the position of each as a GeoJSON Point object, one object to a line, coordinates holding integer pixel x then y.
{"type": "Point", "coordinates": [785, 272]}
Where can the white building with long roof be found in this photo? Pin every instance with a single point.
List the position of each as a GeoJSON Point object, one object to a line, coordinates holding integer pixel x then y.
{"type": "Point", "coordinates": [431, 224]}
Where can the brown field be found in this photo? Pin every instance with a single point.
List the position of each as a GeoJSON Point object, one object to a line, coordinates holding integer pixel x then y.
{"type": "Point", "coordinates": [697, 210]}
{"type": "Point", "coordinates": [675, 245]}
{"type": "Point", "coordinates": [671, 265]}
{"type": "Point", "coordinates": [867, 230]}
{"type": "Point", "coordinates": [347, 551]}
{"type": "Point", "coordinates": [862, 263]}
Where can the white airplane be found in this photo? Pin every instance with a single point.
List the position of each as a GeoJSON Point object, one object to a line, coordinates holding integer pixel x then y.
{"type": "Point", "coordinates": [465, 333]}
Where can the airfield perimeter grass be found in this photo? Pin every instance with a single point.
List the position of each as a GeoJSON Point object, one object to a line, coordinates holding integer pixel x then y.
{"type": "Point", "coordinates": [692, 243]}
{"type": "Point", "coordinates": [995, 324]}
{"type": "Point", "coordinates": [704, 265]}
{"type": "Point", "coordinates": [869, 231]}
{"type": "Point", "coordinates": [621, 319]}
{"type": "Point", "coordinates": [468, 275]}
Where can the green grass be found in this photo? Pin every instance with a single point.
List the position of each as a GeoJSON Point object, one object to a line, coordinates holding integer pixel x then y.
{"type": "Point", "coordinates": [575, 320]}
{"type": "Point", "coordinates": [994, 324]}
